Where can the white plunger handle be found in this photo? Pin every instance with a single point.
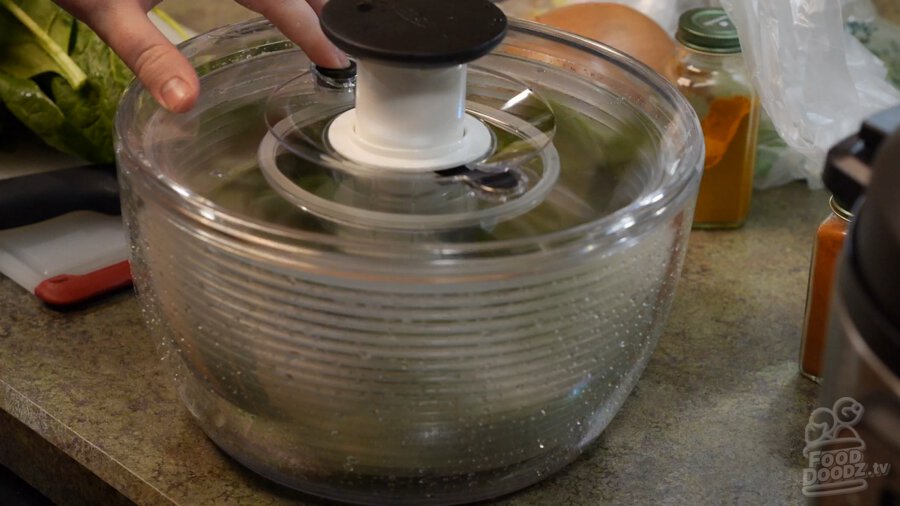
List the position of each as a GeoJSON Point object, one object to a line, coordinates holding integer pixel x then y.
{"type": "Point", "coordinates": [410, 119]}
{"type": "Point", "coordinates": [401, 108]}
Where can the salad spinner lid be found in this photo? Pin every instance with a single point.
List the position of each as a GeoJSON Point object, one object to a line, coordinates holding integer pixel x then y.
{"type": "Point", "coordinates": [409, 136]}
{"type": "Point", "coordinates": [586, 147]}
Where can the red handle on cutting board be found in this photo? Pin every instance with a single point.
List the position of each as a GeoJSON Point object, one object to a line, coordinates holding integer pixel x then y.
{"type": "Point", "coordinates": [67, 289]}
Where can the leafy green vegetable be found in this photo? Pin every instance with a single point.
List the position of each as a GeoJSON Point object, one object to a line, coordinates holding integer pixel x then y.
{"type": "Point", "coordinates": [35, 39]}
{"type": "Point", "coordinates": [26, 101]}
{"type": "Point", "coordinates": [93, 107]}
{"type": "Point", "coordinates": [69, 105]}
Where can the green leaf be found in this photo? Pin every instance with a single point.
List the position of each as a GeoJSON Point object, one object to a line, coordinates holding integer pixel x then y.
{"type": "Point", "coordinates": [92, 108]}
{"type": "Point", "coordinates": [59, 79]}
{"type": "Point", "coordinates": [34, 39]}
{"type": "Point", "coordinates": [26, 101]}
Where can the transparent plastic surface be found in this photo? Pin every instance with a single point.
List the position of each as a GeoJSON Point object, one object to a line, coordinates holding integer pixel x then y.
{"type": "Point", "coordinates": [310, 101]}
{"type": "Point", "coordinates": [409, 366]}
{"type": "Point", "coordinates": [517, 172]}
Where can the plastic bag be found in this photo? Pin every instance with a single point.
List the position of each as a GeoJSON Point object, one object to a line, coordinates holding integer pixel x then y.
{"type": "Point", "coordinates": [816, 81]}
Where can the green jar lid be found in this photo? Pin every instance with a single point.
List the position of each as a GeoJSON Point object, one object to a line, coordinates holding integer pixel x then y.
{"type": "Point", "coordinates": [708, 29]}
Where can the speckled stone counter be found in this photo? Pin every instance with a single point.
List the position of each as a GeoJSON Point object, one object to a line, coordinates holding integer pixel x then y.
{"type": "Point", "coordinates": [88, 415]}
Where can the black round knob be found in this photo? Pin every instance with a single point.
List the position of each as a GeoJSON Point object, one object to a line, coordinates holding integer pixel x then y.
{"type": "Point", "coordinates": [414, 32]}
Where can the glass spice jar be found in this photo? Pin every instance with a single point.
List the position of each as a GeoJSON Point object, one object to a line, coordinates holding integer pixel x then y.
{"type": "Point", "coordinates": [709, 70]}
{"type": "Point", "coordinates": [848, 168]}
{"type": "Point", "coordinates": [829, 242]}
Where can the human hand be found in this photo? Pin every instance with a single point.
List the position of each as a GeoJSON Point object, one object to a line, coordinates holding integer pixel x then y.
{"type": "Point", "coordinates": [165, 72]}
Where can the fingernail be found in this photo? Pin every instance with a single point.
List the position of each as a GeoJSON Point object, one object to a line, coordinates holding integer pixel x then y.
{"type": "Point", "coordinates": [174, 94]}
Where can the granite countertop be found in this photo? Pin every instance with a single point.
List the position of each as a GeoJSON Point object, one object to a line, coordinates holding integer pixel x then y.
{"type": "Point", "coordinates": [88, 414]}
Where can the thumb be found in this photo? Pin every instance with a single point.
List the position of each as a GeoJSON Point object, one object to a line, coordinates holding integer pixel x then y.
{"type": "Point", "coordinates": [298, 21]}
{"type": "Point", "coordinates": [163, 70]}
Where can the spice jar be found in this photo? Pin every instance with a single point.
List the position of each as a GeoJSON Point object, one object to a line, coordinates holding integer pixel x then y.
{"type": "Point", "coordinates": [846, 173]}
{"type": "Point", "coordinates": [709, 70]}
{"type": "Point", "coordinates": [828, 245]}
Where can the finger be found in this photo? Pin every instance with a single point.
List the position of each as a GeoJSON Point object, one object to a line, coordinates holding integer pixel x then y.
{"type": "Point", "coordinates": [298, 21]}
{"type": "Point", "coordinates": [163, 70]}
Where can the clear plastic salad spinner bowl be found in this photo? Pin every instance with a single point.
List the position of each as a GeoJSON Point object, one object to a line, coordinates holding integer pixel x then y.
{"type": "Point", "coordinates": [428, 297]}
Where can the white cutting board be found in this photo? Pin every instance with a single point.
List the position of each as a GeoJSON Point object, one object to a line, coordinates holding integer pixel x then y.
{"type": "Point", "coordinates": [76, 243]}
